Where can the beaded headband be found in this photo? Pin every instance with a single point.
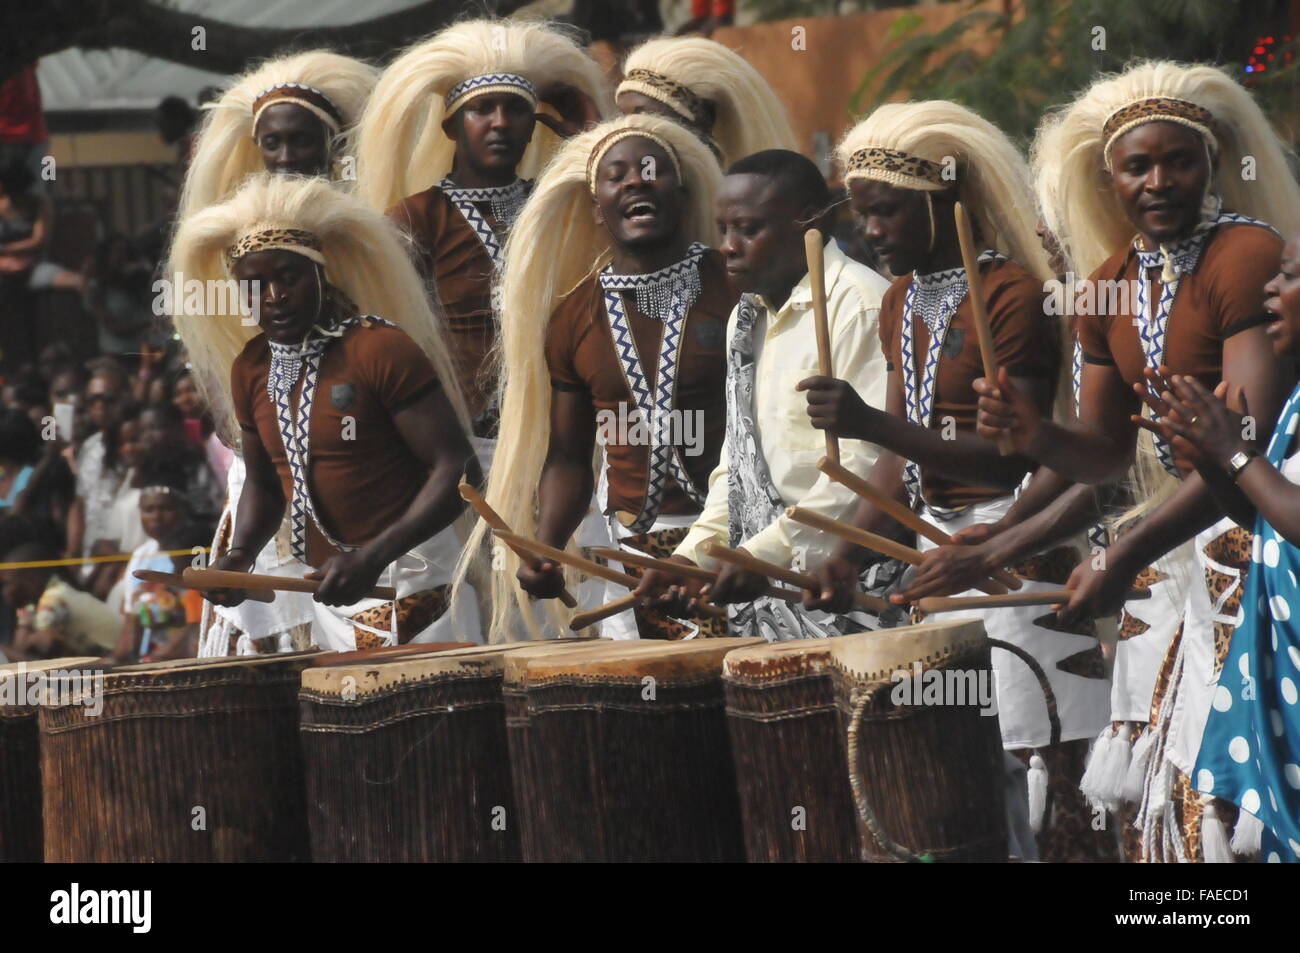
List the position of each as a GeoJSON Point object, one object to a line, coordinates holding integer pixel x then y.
{"type": "Point", "coordinates": [678, 97]}
{"type": "Point", "coordinates": [308, 97]}
{"type": "Point", "coordinates": [262, 238]}
{"type": "Point", "coordinates": [467, 89]}
{"type": "Point", "coordinates": [896, 167]}
{"type": "Point", "coordinates": [617, 136]}
{"type": "Point", "coordinates": [1157, 109]}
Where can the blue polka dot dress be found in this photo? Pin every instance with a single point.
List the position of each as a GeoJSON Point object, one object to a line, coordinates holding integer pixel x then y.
{"type": "Point", "coordinates": [1250, 753]}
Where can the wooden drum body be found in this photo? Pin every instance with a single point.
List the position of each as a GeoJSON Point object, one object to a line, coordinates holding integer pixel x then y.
{"type": "Point", "coordinates": [622, 753]}
{"type": "Point", "coordinates": [406, 757]}
{"type": "Point", "coordinates": [192, 760]}
{"type": "Point", "coordinates": [927, 776]}
{"type": "Point", "coordinates": [787, 736]}
{"type": "Point", "coordinates": [20, 760]}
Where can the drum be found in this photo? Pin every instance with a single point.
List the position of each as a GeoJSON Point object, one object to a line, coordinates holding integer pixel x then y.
{"type": "Point", "coordinates": [20, 762]}
{"type": "Point", "coordinates": [788, 742]}
{"type": "Point", "coordinates": [189, 760]}
{"type": "Point", "coordinates": [625, 754]}
{"type": "Point", "coordinates": [405, 755]}
{"type": "Point", "coordinates": [923, 747]}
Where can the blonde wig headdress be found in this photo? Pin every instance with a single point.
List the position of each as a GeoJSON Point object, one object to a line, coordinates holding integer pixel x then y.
{"type": "Point", "coordinates": [331, 87]}
{"type": "Point", "coordinates": [1071, 153]}
{"type": "Point", "coordinates": [360, 252]}
{"type": "Point", "coordinates": [401, 146]}
{"type": "Point", "coordinates": [714, 91]}
{"type": "Point", "coordinates": [935, 145]}
{"type": "Point", "coordinates": [559, 216]}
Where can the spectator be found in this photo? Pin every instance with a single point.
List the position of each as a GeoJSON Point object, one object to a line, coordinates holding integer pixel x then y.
{"type": "Point", "coordinates": [54, 617]}
{"type": "Point", "coordinates": [199, 426]}
{"type": "Point", "coordinates": [162, 437]}
{"type": "Point", "coordinates": [122, 531]}
{"type": "Point", "coordinates": [119, 297]}
{"type": "Point", "coordinates": [20, 451]}
{"type": "Point", "coordinates": [149, 607]}
{"type": "Point", "coordinates": [99, 470]}
{"type": "Point", "coordinates": [25, 220]}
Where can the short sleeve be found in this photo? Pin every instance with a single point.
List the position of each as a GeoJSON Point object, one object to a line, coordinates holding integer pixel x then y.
{"type": "Point", "coordinates": [1025, 337]}
{"type": "Point", "coordinates": [1248, 260]}
{"type": "Point", "coordinates": [394, 367]}
{"type": "Point", "coordinates": [241, 392]}
{"type": "Point", "coordinates": [560, 347]}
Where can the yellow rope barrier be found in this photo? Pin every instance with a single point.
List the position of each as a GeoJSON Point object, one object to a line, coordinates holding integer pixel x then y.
{"type": "Point", "coordinates": [115, 558]}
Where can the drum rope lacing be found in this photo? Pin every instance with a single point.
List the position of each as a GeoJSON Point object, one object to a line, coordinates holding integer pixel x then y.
{"type": "Point", "coordinates": [868, 817]}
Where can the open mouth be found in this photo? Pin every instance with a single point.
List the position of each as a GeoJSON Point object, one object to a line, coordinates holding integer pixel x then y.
{"type": "Point", "coordinates": [641, 210]}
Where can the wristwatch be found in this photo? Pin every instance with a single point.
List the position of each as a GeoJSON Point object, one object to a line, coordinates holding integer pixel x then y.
{"type": "Point", "coordinates": [1237, 462]}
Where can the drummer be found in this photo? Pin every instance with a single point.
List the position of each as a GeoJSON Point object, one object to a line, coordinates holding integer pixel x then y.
{"type": "Point", "coordinates": [351, 420]}
{"type": "Point", "coordinates": [768, 201]}
{"type": "Point", "coordinates": [905, 167]}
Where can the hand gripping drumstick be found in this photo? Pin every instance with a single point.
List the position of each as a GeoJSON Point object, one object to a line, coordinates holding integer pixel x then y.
{"type": "Point", "coordinates": [690, 572]}
{"type": "Point", "coordinates": [225, 579]}
{"type": "Point", "coordinates": [889, 505]}
{"type": "Point", "coordinates": [980, 317]}
{"type": "Point", "coordinates": [872, 541]}
{"type": "Point", "coordinates": [801, 579]}
{"type": "Point", "coordinates": [813, 249]}
{"type": "Point", "coordinates": [1046, 597]}
{"type": "Point", "coordinates": [490, 516]}
{"type": "Point", "coordinates": [588, 566]}
{"type": "Point", "coordinates": [176, 579]}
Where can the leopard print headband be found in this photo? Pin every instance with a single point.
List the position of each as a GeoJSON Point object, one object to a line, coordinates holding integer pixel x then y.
{"type": "Point", "coordinates": [896, 167]}
{"type": "Point", "coordinates": [681, 99]}
{"type": "Point", "coordinates": [297, 240]}
{"type": "Point", "coordinates": [1157, 109]}
{"type": "Point", "coordinates": [617, 136]}
{"type": "Point", "coordinates": [300, 94]}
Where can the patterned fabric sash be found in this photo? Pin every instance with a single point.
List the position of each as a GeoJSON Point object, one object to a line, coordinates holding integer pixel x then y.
{"type": "Point", "coordinates": [667, 296]}
{"type": "Point", "coordinates": [936, 298]}
{"type": "Point", "coordinates": [506, 202]}
{"type": "Point", "coordinates": [754, 502]}
{"type": "Point", "coordinates": [1173, 261]}
{"type": "Point", "coordinates": [288, 363]}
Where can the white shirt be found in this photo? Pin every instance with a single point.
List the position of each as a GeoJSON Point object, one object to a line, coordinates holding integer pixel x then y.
{"type": "Point", "coordinates": [785, 353]}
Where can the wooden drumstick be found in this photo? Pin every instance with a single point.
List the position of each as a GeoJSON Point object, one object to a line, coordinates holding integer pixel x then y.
{"type": "Point", "coordinates": [979, 316]}
{"type": "Point", "coordinates": [1046, 597]}
{"type": "Point", "coordinates": [176, 579]}
{"type": "Point", "coordinates": [890, 506]}
{"type": "Point", "coordinates": [872, 541]}
{"type": "Point", "coordinates": [592, 616]}
{"type": "Point", "coordinates": [801, 579]}
{"type": "Point", "coordinates": [590, 567]}
{"type": "Point", "coordinates": [225, 579]}
{"type": "Point", "coordinates": [813, 246]}
{"type": "Point", "coordinates": [690, 572]}
{"type": "Point", "coordinates": [490, 516]}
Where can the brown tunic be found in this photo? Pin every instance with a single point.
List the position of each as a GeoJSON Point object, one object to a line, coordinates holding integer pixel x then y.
{"type": "Point", "coordinates": [580, 355]}
{"type": "Point", "coordinates": [1024, 338]}
{"type": "Point", "coordinates": [451, 254]}
{"type": "Point", "coordinates": [362, 476]}
{"type": "Point", "coordinates": [1222, 297]}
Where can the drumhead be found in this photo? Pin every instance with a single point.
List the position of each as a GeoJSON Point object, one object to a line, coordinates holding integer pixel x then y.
{"type": "Point", "coordinates": [635, 659]}
{"type": "Point", "coordinates": [873, 656]}
{"type": "Point", "coordinates": [774, 660]}
{"type": "Point", "coordinates": [367, 675]}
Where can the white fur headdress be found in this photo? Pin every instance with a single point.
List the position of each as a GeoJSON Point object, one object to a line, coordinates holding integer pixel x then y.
{"type": "Point", "coordinates": [713, 90]}
{"type": "Point", "coordinates": [401, 146]}
{"type": "Point", "coordinates": [330, 86]}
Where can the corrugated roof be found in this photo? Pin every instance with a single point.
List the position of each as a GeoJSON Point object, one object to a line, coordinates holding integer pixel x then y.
{"type": "Point", "coordinates": [123, 79]}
